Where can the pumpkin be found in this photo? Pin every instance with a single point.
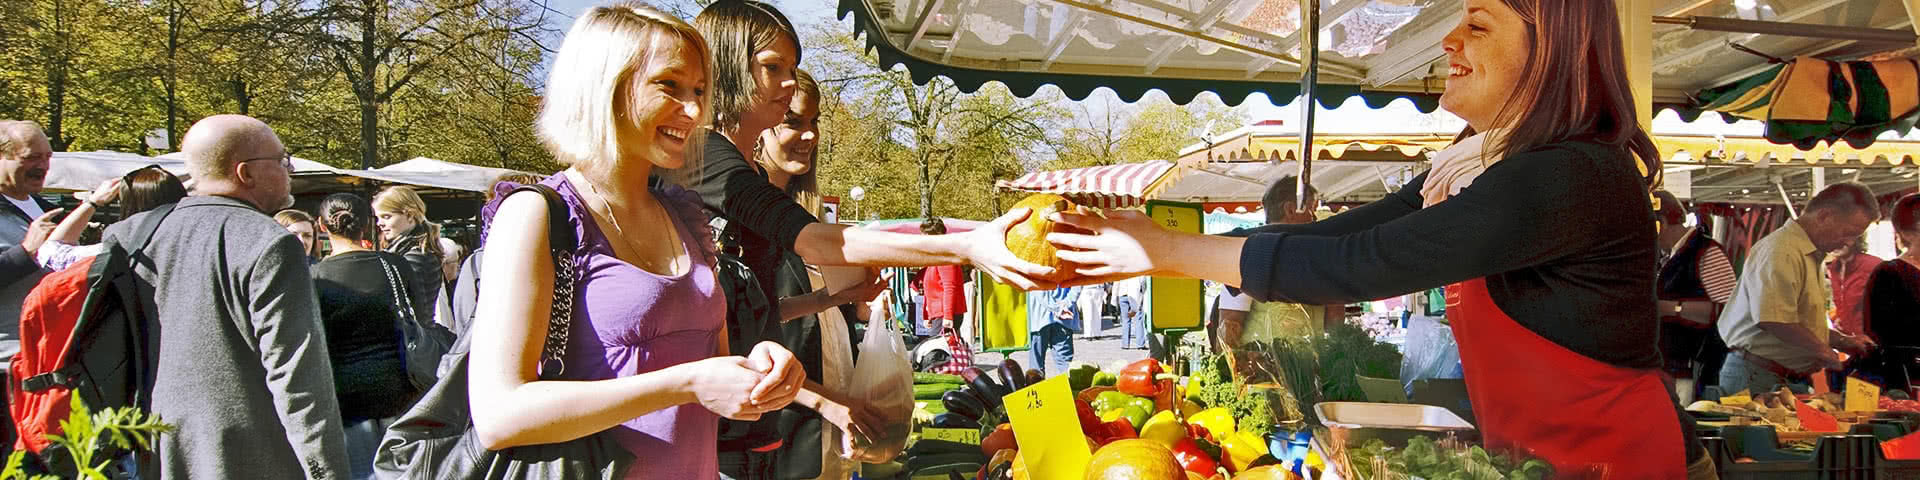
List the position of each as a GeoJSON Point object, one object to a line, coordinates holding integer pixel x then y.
{"type": "Point", "coordinates": [1269, 472]}
{"type": "Point", "coordinates": [1028, 239]}
{"type": "Point", "coordinates": [1134, 459]}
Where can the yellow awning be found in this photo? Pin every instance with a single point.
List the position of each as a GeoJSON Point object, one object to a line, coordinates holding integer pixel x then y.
{"type": "Point", "coordinates": [1754, 150]}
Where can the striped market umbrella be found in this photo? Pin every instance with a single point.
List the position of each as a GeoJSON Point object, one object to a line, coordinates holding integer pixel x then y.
{"type": "Point", "coordinates": [1808, 100]}
{"type": "Point", "coordinates": [1109, 186]}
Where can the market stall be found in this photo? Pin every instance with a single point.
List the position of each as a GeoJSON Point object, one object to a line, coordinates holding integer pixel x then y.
{"type": "Point", "coordinates": [1378, 50]}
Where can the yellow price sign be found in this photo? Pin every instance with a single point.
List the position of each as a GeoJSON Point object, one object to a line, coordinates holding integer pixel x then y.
{"type": "Point", "coordinates": [1862, 396]}
{"type": "Point", "coordinates": [957, 435]}
{"type": "Point", "coordinates": [1176, 303]}
{"type": "Point", "coordinates": [1047, 426]}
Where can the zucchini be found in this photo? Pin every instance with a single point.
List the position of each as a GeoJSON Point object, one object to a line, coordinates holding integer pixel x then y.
{"type": "Point", "coordinates": [922, 378]}
{"type": "Point", "coordinates": [939, 472]}
{"type": "Point", "coordinates": [940, 447]}
{"type": "Point", "coordinates": [933, 391]}
{"type": "Point", "coordinates": [918, 463]}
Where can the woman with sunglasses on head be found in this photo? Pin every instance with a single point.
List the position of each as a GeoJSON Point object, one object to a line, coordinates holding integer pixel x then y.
{"type": "Point", "coordinates": [1538, 223]}
{"type": "Point", "coordinates": [138, 191]}
{"type": "Point", "coordinates": [645, 359]}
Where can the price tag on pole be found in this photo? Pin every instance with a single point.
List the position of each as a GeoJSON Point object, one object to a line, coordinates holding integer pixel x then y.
{"type": "Point", "coordinates": [1047, 426]}
{"type": "Point", "coordinates": [1862, 396]}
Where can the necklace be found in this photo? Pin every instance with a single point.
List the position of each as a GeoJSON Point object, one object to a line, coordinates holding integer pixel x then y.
{"type": "Point", "coordinates": [646, 262]}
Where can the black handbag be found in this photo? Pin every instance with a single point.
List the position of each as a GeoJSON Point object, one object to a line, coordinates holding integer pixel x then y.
{"type": "Point", "coordinates": [435, 439]}
{"type": "Point", "coordinates": [752, 317]}
{"type": "Point", "coordinates": [424, 342]}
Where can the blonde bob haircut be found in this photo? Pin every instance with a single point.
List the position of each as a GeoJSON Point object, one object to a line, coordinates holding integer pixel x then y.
{"type": "Point", "coordinates": [587, 92]}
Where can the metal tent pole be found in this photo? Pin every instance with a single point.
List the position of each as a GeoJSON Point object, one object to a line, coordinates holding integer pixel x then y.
{"type": "Point", "coordinates": [1309, 73]}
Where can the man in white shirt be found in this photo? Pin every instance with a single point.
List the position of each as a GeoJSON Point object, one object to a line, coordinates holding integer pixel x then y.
{"type": "Point", "coordinates": [25, 221]}
{"type": "Point", "coordinates": [1776, 324]}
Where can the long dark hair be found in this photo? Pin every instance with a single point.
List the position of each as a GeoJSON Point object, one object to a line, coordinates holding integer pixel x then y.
{"type": "Point", "coordinates": [149, 187]}
{"type": "Point", "coordinates": [348, 216]}
{"type": "Point", "coordinates": [1574, 83]}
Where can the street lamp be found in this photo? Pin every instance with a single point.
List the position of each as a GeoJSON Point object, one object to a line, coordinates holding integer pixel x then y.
{"type": "Point", "coordinates": [857, 194]}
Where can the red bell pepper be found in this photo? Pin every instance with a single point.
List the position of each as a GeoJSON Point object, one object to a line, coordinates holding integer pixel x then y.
{"type": "Point", "coordinates": [1193, 459]}
{"type": "Point", "coordinates": [1141, 379]}
{"type": "Point", "coordinates": [1196, 431]}
{"type": "Point", "coordinates": [1114, 431]}
{"type": "Point", "coordinates": [1089, 421]}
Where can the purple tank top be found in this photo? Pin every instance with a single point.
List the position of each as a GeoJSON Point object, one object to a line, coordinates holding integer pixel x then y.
{"type": "Point", "coordinates": [629, 321]}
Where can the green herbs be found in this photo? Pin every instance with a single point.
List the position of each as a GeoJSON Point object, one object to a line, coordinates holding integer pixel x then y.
{"type": "Point", "coordinates": [1346, 352]}
{"type": "Point", "coordinates": [1427, 459]}
{"type": "Point", "coordinates": [89, 434]}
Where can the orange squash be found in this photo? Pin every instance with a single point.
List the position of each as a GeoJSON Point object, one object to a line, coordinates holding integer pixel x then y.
{"type": "Point", "coordinates": [1134, 459]}
{"type": "Point", "coordinates": [1028, 239]}
{"type": "Point", "coordinates": [1269, 472]}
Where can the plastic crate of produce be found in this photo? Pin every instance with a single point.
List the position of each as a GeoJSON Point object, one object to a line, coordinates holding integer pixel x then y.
{"type": "Point", "coordinates": [1838, 457]}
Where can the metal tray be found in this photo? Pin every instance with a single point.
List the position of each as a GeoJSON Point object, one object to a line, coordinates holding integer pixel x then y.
{"type": "Point", "coordinates": [1353, 423]}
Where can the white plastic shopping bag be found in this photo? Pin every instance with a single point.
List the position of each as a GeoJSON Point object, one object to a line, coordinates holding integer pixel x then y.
{"type": "Point", "coordinates": [883, 377]}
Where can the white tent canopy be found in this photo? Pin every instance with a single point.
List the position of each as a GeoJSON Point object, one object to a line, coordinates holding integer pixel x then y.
{"type": "Point", "coordinates": [78, 171]}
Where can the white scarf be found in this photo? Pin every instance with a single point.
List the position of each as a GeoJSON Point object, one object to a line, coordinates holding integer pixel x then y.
{"type": "Point", "coordinates": [1457, 166]}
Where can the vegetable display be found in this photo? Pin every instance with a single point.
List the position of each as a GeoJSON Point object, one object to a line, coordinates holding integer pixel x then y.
{"type": "Point", "coordinates": [1428, 459]}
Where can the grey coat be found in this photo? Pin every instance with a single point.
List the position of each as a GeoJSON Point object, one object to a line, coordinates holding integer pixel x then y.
{"type": "Point", "coordinates": [18, 273]}
{"type": "Point", "coordinates": [242, 368]}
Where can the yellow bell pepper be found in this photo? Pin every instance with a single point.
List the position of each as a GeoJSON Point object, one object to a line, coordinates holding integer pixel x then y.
{"type": "Point", "coordinates": [1242, 449]}
{"type": "Point", "coordinates": [1164, 428]}
{"type": "Point", "coordinates": [1217, 420]}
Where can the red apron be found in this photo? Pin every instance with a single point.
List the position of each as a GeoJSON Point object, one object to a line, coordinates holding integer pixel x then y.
{"type": "Point", "coordinates": [1586, 417]}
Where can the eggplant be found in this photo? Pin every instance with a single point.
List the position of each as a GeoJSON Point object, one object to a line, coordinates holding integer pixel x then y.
{"type": "Point", "coordinates": [1034, 376]}
{"type": "Point", "coordinates": [984, 386]}
{"type": "Point", "coordinates": [963, 403]}
{"type": "Point", "coordinates": [1011, 374]}
{"type": "Point", "coordinates": [952, 420]}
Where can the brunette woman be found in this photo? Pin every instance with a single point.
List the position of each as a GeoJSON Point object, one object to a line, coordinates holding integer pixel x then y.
{"type": "Point", "coordinates": [1536, 221]}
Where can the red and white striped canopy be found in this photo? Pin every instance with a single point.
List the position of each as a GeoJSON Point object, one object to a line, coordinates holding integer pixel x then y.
{"type": "Point", "coordinates": [1110, 186]}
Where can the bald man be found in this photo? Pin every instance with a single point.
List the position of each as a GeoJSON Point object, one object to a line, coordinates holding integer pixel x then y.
{"type": "Point", "coordinates": [241, 363]}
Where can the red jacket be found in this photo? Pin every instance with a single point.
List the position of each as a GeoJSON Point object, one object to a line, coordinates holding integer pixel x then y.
{"type": "Point", "coordinates": [941, 284]}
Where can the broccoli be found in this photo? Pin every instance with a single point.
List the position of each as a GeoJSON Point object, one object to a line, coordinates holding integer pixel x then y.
{"type": "Point", "coordinates": [1215, 387]}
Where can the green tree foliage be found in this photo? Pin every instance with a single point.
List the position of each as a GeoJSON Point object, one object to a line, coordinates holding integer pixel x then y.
{"type": "Point", "coordinates": [1109, 132]}
{"type": "Point", "coordinates": [919, 150]}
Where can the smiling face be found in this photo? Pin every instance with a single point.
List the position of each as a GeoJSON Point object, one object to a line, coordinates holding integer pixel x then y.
{"type": "Point", "coordinates": [666, 100]}
{"type": "Point", "coordinates": [23, 172]}
{"type": "Point", "coordinates": [774, 82]}
{"type": "Point", "coordinates": [1486, 54]}
{"type": "Point", "coordinates": [790, 144]}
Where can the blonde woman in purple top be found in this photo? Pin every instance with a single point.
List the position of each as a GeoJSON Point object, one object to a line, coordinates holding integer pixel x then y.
{"type": "Point", "coordinates": [645, 354]}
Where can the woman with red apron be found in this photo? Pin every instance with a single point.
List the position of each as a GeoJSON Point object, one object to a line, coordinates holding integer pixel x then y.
{"type": "Point", "coordinates": [1538, 223]}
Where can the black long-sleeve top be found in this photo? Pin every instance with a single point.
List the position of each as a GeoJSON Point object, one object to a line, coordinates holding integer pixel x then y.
{"type": "Point", "coordinates": [764, 218]}
{"type": "Point", "coordinates": [1893, 309]}
{"type": "Point", "coordinates": [1563, 234]}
